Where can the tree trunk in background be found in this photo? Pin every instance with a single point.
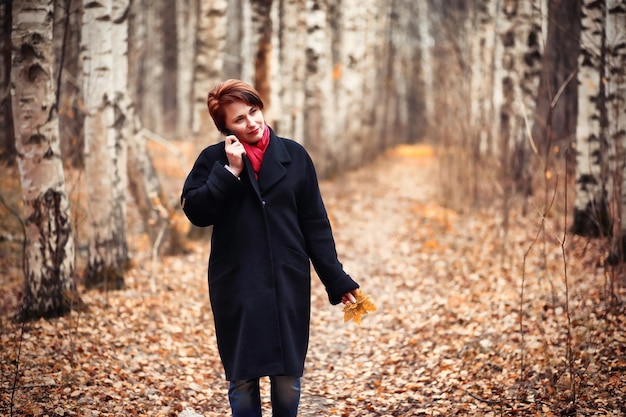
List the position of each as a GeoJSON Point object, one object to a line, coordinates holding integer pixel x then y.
{"type": "Point", "coordinates": [147, 193]}
{"type": "Point", "coordinates": [187, 25]}
{"type": "Point", "coordinates": [169, 75]}
{"type": "Point", "coordinates": [591, 216]}
{"type": "Point", "coordinates": [49, 243]}
{"type": "Point", "coordinates": [555, 113]}
{"type": "Point", "coordinates": [7, 140]}
{"type": "Point", "coordinates": [143, 181]}
{"type": "Point", "coordinates": [319, 103]}
{"type": "Point", "coordinates": [153, 111]}
{"type": "Point", "coordinates": [67, 50]}
{"type": "Point", "coordinates": [210, 41]}
{"type": "Point", "coordinates": [286, 113]}
{"type": "Point", "coordinates": [262, 47]}
{"type": "Point", "coordinates": [383, 130]}
{"type": "Point", "coordinates": [147, 52]}
{"type": "Point", "coordinates": [104, 147]}
{"type": "Point", "coordinates": [481, 47]}
{"type": "Point", "coordinates": [355, 59]}
{"type": "Point", "coordinates": [452, 65]}
{"type": "Point", "coordinates": [392, 107]}
{"type": "Point", "coordinates": [616, 108]}
{"type": "Point", "coordinates": [517, 74]}
{"type": "Point", "coordinates": [426, 44]}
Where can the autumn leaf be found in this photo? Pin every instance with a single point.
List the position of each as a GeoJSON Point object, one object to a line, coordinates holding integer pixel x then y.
{"type": "Point", "coordinates": [354, 311]}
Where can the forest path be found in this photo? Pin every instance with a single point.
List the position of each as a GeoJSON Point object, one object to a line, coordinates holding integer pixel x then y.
{"type": "Point", "coordinates": [444, 341]}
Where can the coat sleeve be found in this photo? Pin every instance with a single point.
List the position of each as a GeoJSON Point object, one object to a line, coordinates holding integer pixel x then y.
{"type": "Point", "coordinates": [319, 238]}
{"type": "Point", "coordinates": [209, 190]}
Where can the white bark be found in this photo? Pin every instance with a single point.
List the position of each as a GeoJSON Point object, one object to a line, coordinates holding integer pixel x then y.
{"type": "Point", "coordinates": [288, 72]}
{"type": "Point", "coordinates": [426, 45]}
{"type": "Point", "coordinates": [616, 96]}
{"type": "Point", "coordinates": [482, 47]}
{"type": "Point", "coordinates": [516, 82]}
{"type": "Point", "coordinates": [348, 78]}
{"type": "Point", "coordinates": [49, 251]}
{"type": "Point", "coordinates": [589, 182]}
{"type": "Point", "coordinates": [153, 78]}
{"type": "Point", "coordinates": [105, 164]}
{"type": "Point", "coordinates": [187, 25]}
{"type": "Point", "coordinates": [319, 103]}
{"type": "Point", "coordinates": [211, 40]}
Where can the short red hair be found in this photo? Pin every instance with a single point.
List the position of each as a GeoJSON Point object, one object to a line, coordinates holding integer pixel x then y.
{"type": "Point", "coordinates": [227, 92]}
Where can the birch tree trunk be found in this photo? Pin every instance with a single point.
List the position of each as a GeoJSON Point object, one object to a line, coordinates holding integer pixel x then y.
{"type": "Point", "coordinates": [69, 75]}
{"type": "Point", "coordinates": [262, 47]}
{"type": "Point", "coordinates": [393, 109]}
{"type": "Point", "coordinates": [286, 113]}
{"type": "Point", "coordinates": [211, 40]}
{"type": "Point", "coordinates": [187, 25]}
{"type": "Point", "coordinates": [355, 63]}
{"type": "Point", "coordinates": [555, 112]}
{"type": "Point", "coordinates": [517, 78]}
{"type": "Point", "coordinates": [591, 215]}
{"type": "Point", "coordinates": [49, 242]}
{"type": "Point", "coordinates": [143, 181]}
{"type": "Point", "coordinates": [105, 146]}
{"type": "Point", "coordinates": [481, 112]}
{"type": "Point", "coordinates": [319, 103]}
{"type": "Point", "coordinates": [616, 109]}
{"type": "Point", "coordinates": [7, 140]}
{"type": "Point", "coordinates": [426, 47]}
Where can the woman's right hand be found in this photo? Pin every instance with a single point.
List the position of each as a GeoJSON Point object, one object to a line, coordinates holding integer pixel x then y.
{"type": "Point", "coordinates": [234, 152]}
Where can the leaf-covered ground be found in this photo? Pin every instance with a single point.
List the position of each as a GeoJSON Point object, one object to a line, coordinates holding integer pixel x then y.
{"type": "Point", "coordinates": [463, 326]}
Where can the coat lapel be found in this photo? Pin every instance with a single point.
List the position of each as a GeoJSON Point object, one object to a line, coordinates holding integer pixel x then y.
{"type": "Point", "coordinates": [273, 167]}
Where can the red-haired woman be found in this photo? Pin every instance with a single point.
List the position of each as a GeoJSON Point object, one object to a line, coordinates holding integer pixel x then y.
{"type": "Point", "coordinates": [261, 195]}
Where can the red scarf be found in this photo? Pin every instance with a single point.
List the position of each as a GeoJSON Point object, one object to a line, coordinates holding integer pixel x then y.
{"type": "Point", "coordinates": [256, 151]}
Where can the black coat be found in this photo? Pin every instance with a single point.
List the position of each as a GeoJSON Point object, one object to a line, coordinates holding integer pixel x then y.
{"type": "Point", "coordinates": [264, 233]}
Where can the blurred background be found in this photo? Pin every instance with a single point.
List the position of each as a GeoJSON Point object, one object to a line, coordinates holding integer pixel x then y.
{"type": "Point", "coordinates": [103, 110]}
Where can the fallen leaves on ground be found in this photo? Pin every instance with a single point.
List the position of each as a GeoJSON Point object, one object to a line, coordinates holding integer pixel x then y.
{"type": "Point", "coordinates": [469, 322]}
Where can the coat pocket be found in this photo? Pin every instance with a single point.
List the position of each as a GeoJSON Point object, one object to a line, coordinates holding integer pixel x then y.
{"type": "Point", "coordinates": [296, 262]}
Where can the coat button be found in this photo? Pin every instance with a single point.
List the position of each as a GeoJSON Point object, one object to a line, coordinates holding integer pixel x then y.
{"type": "Point", "coordinates": [263, 202]}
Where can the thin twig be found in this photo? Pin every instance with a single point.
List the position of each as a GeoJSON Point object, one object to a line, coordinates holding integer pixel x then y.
{"type": "Point", "coordinates": [155, 254]}
{"type": "Point", "coordinates": [562, 87]}
{"type": "Point", "coordinates": [148, 134]}
{"type": "Point", "coordinates": [483, 400]}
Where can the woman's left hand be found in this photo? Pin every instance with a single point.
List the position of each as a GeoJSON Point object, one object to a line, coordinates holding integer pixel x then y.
{"type": "Point", "coordinates": [349, 297]}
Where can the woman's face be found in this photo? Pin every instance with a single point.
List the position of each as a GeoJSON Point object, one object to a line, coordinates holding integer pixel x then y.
{"type": "Point", "coordinates": [244, 121]}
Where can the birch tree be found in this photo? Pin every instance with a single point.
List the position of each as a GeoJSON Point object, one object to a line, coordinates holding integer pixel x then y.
{"type": "Point", "coordinates": [355, 60]}
{"type": "Point", "coordinates": [7, 141]}
{"type": "Point", "coordinates": [616, 110]}
{"type": "Point", "coordinates": [143, 181]}
{"type": "Point", "coordinates": [398, 52]}
{"type": "Point", "coordinates": [49, 242]}
{"type": "Point", "coordinates": [555, 111]}
{"type": "Point", "coordinates": [210, 55]}
{"type": "Point", "coordinates": [518, 62]}
{"type": "Point", "coordinates": [591, 215]}
{"type": "Point", "coordinates": [288, 69]}
{"type": "Point", "coordinates": [426, 47]}
{"type": "Point", "coordinates": [187, 25]}
{"type": "Point", "coordinates": [105, 72]}
{"type": "Point", "coordinates": [481, 112]}
{"type": "Point", "coordinates": [319, 103]}
{"type": "Point", "coordinates": [262, 30]}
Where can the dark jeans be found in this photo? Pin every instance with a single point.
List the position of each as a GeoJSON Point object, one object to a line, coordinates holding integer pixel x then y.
{"type": "Point", "coordinates": [245, 397]}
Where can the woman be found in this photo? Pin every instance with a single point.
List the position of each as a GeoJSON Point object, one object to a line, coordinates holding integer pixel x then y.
{"type": "Point", "coordinates": [260, 193]}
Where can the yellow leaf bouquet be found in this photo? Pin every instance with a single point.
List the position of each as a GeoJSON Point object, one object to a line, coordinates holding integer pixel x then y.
{"type": "Point", "coordinates": [354, 311]}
